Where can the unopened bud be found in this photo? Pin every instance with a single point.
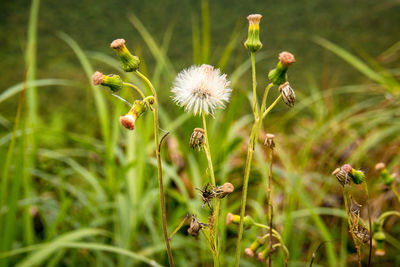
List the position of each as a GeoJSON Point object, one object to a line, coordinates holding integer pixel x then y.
{"type": "Point", "coordinates": [269, 141]}
{"type": "Point", "coordinates": [257, 243]}
{"type": "Point", "coordinates": [380, 238]}
{"type": "Point", "coordinates": [343, 174]}
{"type": "Point", "coordinates": [386, 178]}
{"type": "Point", "coordinates": [357, 176]}
{"type": "Point", "coordinates": [235, 219]}
{"type": "Point", "coordinates": [288, 95]}
{"type": "Point", "coordinates": [223, 190]}
{"type": "Point", "coordinates": [278, 75]}
{"type": "Point", "coordinates": [113, 81]}
{"type": "Point", "coordinates": [128, 120]}
{"type": "Point", "coordinates": [253, 43]}
{"type": "Point", "coordinates": [249, 252]}
{"type": "Point", "coordinates": [129, 62]}
{"type": "Point", "coordinates": [197, 138]}
{"type": "Point", "coordinates": [263, 254]}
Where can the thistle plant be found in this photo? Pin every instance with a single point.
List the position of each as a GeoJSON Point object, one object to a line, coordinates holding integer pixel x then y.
{"type": "Point", "coordinates": [130, 63]}
{"type": "Point", "coordinates": [358, 230]}
{"type": "Point", "coordinates": [277, 77]}
{"type": "Point", "coordinates": [202, 89]}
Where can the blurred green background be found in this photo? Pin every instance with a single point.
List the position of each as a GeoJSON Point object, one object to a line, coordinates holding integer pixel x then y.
{"type": "Point", "coordinates": [77, 190]}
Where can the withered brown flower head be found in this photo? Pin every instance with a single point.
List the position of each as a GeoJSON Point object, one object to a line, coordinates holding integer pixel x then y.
{"type": "Point", "coordinates": [288, 95]}
{"type": "Point", "coordinates": [223, 190]}
{"type": "Point", "coordinates": [197, 138]}
{"type": "Point", "coordinates": [269, 140]}
{"type": "Point", "coordinates": [195, 226]}
{"type": "Point", "coordinates": [342, 174]}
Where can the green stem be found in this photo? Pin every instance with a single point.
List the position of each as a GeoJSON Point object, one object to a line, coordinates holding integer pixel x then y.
{"type": "Point", "coordinates": [384, 215]}
{"type": "Point", "coordinates": [346, 205]}
{"type": "Point", "coordinates": [252, 143]}
{"type": "Point", "coordinates": [395, 191]}
{"type": "Point", "coordinates": [135, 88]}
{"type": "Point", "coordinates": [216, 202]}
{"type": "Point", "coordinates": [370, 225]}
{"type": "Point", "coordinates": [270, 206]}
{"type": "Point", "coordinates": [159, 168]}
{"type": "Point", "coordinates": [253, 72]}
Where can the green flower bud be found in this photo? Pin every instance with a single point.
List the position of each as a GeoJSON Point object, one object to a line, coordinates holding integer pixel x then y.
{"type": "Point", "coordinates": [263, 254]}
{"type": "Point", "coordinates": [129, 62]}
{"type": "Point", "coordinates": [235, 219]}
{"type": "Point", "coordinates": [113, 81]}
{"type": "Point", "coordinates": [253, 43]}
{"type": "Point", "coordinates": [379, 238]}
{"type": "Point", "coordinates": [128, 120]}
{"type": "Point", "coordinates": [357, 176]}
{"type": "Point", "coordinates": [278, 75]}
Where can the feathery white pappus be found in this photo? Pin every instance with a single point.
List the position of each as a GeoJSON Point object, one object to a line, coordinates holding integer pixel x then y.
{"type": "Point", "coordinates": [201, 88]}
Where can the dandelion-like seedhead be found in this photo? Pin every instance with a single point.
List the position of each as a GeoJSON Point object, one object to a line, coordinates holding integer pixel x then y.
{"type": "Point", "coordinates": [201, 89]}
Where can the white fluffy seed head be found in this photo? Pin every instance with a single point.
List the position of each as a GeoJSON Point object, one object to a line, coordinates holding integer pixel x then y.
{"type": "Point", "coordinates": [201, 89]}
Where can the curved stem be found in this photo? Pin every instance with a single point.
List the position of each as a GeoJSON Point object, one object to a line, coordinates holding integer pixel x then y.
{"type": "Point", "coordinates": [159, 168]}
{"type": "Point", "coordinates": [136, 88]}
{"type": "Point", "coordinates": [272, 105]}
{"type": "Point", "coordinates": [216, 202]}
{"type": "Point", "coordinates": [384, 215]}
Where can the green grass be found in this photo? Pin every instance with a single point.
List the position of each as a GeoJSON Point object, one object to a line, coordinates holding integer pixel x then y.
{"type": "Point", "coordinates": [95, 187]}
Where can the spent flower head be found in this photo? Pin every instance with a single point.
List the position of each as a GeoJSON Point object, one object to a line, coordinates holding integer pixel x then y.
{"type": "Point", "coordinates": [288, 95]}
{"type": "Point", "coordinates": [201, 89]}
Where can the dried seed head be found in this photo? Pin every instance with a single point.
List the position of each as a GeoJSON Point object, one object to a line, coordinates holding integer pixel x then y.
{"type": "Point", "coordinates": [380, 166]}
{"type": "Point", "coordinates": [355, 208]}
{"type": "Point", "coordinates": [129, 61]}
{"type": "Point", "coordinates": [128, 121]}
{"type": "Point", "coordinates": [361, 233]}
{"type": "Point", "coordinates": [343, 174]}
{"type": "Point", "coordinates": [249, 252]}
{"type": "Point", "coordinates": [195, 226]}
{"type": "Point", "coordinates": [269, 141]}
{"type": "Point", "coordinates": [288, 95]}
{"type": "Point", "coordinates": [286, 58]}
{"type": "Point", "coordinates": [223, 190]}
{"type": "Point", "coordinates": [197, 138]}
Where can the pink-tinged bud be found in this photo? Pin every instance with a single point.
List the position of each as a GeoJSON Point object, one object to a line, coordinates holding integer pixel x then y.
{"type": "Point", "coordinates": [230, 218]}
{"type": "Point", "coordinates": [249, 252]}
{"type": "Point", "coordinates": [347, 168]}
{"type": "Point", "coordinates": [129, 61]}
{"type": "Point", "coordinates": [97, 78]}
{"type": "Point", "coordinates": [128, 121]}
{"type": "Point", "coordinates": [380, 166]}
{"type": "Point", "coordinates": [286, 58]}
{"type": "Point", "coordinates": [118, 44]}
